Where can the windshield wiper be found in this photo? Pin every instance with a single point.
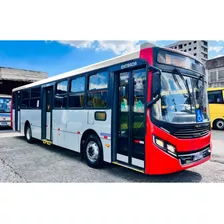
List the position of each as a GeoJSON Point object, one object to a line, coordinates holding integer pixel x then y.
{"type": "Point", "coordinates": [185, 84]}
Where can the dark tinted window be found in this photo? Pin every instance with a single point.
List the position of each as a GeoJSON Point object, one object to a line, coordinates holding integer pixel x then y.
{"type": "Point", "coordinates": [61, 94]}
{"type": "Point", "coordinates": [76, 100]}
{"type": "Point", "coordinates": [34, 102]}
{"type": "Point", "coordinates": [25, 103]}
{"type": "Point", "coordinates": [78, 85]}
{"type": "Point", "coordinates": [26, 93]}
{"type": "Point", "coordinates": [25, 99]}
{"type": "Point", "coordinates": [60, 101]}
{"type": "Point", "coordinates": [215, 97]}
{"type": "Point", "coordinates": [98, 81]}
{"type": "Point", "coordinates": [97, 99]}
{"type": "Point", "coordinates": [76, 94]}
{"type": "Point", "coordinates": [35, 92]}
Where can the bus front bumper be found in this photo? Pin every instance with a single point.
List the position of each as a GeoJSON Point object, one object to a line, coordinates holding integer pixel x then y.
{"type": "Point", "coordinates": [163, 163]}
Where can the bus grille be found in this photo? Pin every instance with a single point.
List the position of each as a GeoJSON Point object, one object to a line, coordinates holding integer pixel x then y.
{"type": "Point", "coordinates": [192, 133]}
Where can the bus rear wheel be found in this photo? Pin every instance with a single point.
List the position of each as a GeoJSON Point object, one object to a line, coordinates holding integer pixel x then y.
{"type": "Point", "coordinates": [28, 134]}
{"type": "Point", "coordinates": [93, 152]}
{"type": "Point", "coordinates": [219, 124]}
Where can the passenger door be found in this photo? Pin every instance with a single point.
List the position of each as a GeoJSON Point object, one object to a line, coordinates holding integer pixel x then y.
{"type": "Point", "coordinates": [130, 147]}
{"type": "Point", "coordinates": [46, 124]}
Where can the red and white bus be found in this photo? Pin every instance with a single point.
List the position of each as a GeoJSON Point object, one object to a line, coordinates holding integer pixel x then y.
{"type": "Point", "coordinates": [146, 111]}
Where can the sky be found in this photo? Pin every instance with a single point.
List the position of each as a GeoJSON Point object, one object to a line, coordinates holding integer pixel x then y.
{"type": "Point", "coordinates": [55, 57]}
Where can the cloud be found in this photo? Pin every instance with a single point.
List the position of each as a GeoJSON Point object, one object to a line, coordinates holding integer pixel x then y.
{"type": "Point", "coordinates": [118, 47]}
{"type": "Point", "coordinates": [215, 48]}
{"type": "Point", "coordinates": [78, 43]}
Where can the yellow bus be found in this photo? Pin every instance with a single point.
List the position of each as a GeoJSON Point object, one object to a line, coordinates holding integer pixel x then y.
{"type": "Point", "coordinates": [216, 107]}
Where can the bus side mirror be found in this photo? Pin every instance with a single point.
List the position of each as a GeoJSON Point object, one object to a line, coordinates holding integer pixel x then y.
{"type": "Point", "coordinates": [156, 84]}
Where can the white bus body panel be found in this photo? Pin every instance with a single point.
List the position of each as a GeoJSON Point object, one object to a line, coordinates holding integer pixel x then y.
{"type": "Point", "coordinates": [19, 120]}
{"type": "Point", "coordinates": [67, 124]}
{"type": "Point", "coordinates": [13, 120]}
{"type": "Point", "coordinates": [68, 127]}
{"type": "Point", "coordinates": [34, 118]}
{"type": "Point", "coordinates": [48, 125]}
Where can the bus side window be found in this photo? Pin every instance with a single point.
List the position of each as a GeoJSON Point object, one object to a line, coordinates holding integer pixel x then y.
{"type": "Point", "coordinates": [61, 94]}
{"type": "Point", "coordinates": [215, 97]}
{"type": "Point", "coordinates": [98, 90]}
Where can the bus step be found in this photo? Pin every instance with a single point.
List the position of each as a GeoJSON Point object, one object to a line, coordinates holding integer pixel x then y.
{"type": "Point", "coordinates": [47, 142]}
{"type": "Point", "coordinates": [129, 167]}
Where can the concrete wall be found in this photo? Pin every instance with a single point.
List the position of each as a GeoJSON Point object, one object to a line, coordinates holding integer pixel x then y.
{"type": "Point", "coordinates": [215, 69]}
{"type": "Point", "coordinates": [189, 46]}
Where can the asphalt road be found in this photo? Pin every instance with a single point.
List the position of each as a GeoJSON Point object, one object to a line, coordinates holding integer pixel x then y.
{"type": "Point", "coordinates": [23, 162]}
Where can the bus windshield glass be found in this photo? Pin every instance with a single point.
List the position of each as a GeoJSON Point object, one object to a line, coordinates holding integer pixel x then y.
{"type": "Point", "coordinates": [184, 100]}
{"type": "Point", "coordinates": [5, 104]}
{"type": "Point", "coordinates": [179, 60]}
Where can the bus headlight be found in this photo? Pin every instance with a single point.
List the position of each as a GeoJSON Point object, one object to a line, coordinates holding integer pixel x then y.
{"type": "Point", "coordinates": [165, 146]}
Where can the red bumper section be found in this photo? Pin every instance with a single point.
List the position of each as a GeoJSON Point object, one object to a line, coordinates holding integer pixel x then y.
{"type": "Point", "coordinates": [160, 162]}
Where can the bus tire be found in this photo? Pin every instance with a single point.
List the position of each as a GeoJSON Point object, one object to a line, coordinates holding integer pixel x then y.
{"type": "Point", "coordinates": [28, 134]}
{"type": "Point", "coordinates": [93, 152]}
{"type": "Point", "coordinates": [219, 124]}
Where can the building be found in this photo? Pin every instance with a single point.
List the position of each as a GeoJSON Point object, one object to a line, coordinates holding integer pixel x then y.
{"type": "Point", "coordinates": [196, 48]}
{"type": "Point", "coordinates": [215, 71]}
{"type": "Point", "coordinates": [11, 78]}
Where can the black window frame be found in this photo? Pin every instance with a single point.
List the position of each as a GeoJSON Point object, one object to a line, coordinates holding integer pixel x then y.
{"type": "Point", "coordinates": [220, 92]}
{"type": "Point", "coordinates": [97, 90]}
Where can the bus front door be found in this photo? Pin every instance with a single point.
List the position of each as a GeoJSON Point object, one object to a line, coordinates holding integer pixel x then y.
{"type": "Point", "coordinates": [130, 118]}
{"type": "Point", "coordinates": [47, 113]}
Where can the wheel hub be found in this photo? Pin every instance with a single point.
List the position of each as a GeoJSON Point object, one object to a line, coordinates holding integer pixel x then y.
{"type": "Point", "coordinates": [92, 151]}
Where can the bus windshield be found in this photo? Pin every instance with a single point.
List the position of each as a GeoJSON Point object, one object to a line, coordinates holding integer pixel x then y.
{"type": "Point", "coordinates": [5, 104]}
{"type": "Point", "coordinates": [184, 99]}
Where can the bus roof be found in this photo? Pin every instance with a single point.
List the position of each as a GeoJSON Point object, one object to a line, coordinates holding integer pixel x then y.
{"type": "Point", "coordinates": [85, 69]}
{"type": "Point", "coordinates": [5, 96]}
{"type": "Point", "coordinates": [215, 88]}
{"type": "Point", "coordinates": [99, 65]}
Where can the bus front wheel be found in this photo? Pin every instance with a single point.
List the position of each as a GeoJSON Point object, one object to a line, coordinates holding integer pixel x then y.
{"type": "Point", "coordinates": [219, 124]}
{"type": "Point", "coordinates": [28, 134]}
{"type": "Point", "coordinates": [93, 152]}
